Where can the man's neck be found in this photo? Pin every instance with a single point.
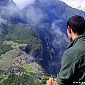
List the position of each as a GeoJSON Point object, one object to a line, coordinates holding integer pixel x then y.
{"type": "Point", "coordinates": [74, 36]}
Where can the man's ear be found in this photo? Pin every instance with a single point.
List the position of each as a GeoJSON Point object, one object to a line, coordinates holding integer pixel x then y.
{"type": "Point", "coordinates": [69, 30]}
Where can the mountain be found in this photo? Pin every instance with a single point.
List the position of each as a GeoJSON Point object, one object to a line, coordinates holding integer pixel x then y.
{"type": "Point", "coordinates": [39, 33]}
{"type": "Point", "coordinates": [17, 55]}
{"type": "Point", "coordinates": [50, 17]}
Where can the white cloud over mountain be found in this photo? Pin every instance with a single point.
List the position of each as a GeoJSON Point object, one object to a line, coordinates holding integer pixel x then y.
{"type": "Point", "coordinates": [78, 4]}
{"type": "Point", "coordinates": [23, 3]}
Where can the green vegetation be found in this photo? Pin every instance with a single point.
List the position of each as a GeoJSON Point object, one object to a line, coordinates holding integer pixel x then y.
{"type": "Point", "coordinates": [5, 48]}
{"type": "Point", "coordinates": [13, 79]}
{"type": "Point", "coordinates": [14, 70]}
{"type": "Point", "coordinates": [15, 34]}
{"type": "Point", "coordinates": [18, 80]}
{"type": "Point", "coordinates": [21, 33]}
{"type": "Point", "coordinates": [29, 69]}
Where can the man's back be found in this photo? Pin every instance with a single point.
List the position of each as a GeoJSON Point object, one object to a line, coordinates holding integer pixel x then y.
{"type": "Point", "coordinates": [73, 60]}
{"type": "Point", "coordinates": [73, 69]}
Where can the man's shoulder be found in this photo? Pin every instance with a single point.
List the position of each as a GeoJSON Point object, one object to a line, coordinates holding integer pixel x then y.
{"type": "Point", "coordinates": [68, 55]}
{"type": "Point", "coordinates": [70, 51]}
{"type": "Point", "coordinates": [75, 51]}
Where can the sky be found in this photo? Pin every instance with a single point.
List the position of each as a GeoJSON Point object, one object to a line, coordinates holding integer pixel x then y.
{"type": "Point", "coordinates": [23, 3]}
{"type": "Point", "coordinates": [79, 4]}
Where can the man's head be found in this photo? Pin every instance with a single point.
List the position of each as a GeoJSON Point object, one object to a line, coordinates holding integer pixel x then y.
{"type": "Point", "coordinates": [75, 26]}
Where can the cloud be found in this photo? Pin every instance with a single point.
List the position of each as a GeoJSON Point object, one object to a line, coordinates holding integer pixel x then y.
{"type": "Point", "coordinates": [12, 10]}
{"type": "Point", "coordinates": [78, 4]}
{"type": "Point", "coordinates": [2, 20]}
{"type": "Point", "coordinates": [59, 36]}
{"type": "Point", "coordinates": [9, 9]}
{"type": "Point", "coordinates": [35, 15]}
{"type": "Point", "coordinates": [23, 3]}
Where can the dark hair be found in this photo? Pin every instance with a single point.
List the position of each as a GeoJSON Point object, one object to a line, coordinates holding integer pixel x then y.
{"type": "Point", "coordinates": [77, 23]}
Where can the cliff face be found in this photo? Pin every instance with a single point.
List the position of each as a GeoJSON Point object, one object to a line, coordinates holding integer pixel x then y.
{"type": "Point", "coordinates": [32, 40]}
{"type": "Point", "coordinates": [50, 17]}
{"type": "Point", "coordinates": [17, 60]}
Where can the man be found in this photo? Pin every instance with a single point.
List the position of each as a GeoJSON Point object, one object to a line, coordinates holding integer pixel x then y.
{"type": "Point", "coordinates": [73, 61]}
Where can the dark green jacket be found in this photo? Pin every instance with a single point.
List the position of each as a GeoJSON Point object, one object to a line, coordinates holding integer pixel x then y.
{"type": "Point", "coordinates": [73, 63]}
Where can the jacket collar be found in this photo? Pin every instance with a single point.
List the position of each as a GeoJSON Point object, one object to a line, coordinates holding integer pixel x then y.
{"type": "Point", "coordinates": [75, 40]}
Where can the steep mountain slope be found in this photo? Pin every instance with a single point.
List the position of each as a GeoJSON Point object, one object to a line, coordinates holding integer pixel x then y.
{"type": "Point", "coordinates": [32, 40]}
{"type": "Point", "coordinates": [17, 58]}
{"type": "Point", "coordinates": [50, 17]}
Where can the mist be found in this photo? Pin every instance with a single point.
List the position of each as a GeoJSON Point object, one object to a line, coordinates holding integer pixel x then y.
{"type": "Point", "coordinates": [23, 3]}
{"type": "Point", "coordinates": [35, 15]}
{"type": "Point", "coordinates": [2, 20]}
{"type": "Point", "coordinates": [49, 18]}
{"type": "Point", "coordinates": [8, 10]}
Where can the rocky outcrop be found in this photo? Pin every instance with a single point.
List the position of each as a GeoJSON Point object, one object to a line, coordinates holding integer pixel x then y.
{"type": "Point", "coordinates": [13, 61]}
